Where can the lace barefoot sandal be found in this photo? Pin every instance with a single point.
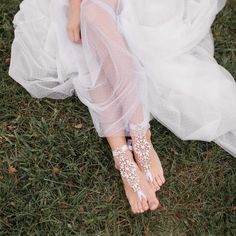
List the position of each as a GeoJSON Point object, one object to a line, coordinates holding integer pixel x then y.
{"type": "Point", "coordinates": [128, 170]}
{"type": "Point", "coordinates": [141, 147]}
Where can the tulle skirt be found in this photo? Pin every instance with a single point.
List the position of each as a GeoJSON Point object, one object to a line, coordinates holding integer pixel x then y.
{"type": "Point", "coordinates": [139, 60]}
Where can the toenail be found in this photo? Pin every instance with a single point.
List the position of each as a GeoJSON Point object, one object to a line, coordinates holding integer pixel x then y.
{"type": "Point", "coordinates": [154, 205]}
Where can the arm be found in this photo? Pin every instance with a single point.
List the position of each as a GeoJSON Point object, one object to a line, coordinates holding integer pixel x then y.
{"type": "Point", "coordinates": [73, 24]}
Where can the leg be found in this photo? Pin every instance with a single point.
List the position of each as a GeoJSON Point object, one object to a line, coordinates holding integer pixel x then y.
{"type": "Point", "coordinates": [116, 90]}
{"type": "Point", "coordinates": [113, 88]}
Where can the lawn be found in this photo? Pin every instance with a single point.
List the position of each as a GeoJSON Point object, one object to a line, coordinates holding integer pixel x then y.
{"type": "Point", "coordinates": [57, 176]}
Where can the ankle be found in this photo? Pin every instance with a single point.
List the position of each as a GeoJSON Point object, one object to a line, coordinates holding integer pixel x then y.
{"type": "Point", "coordinates": [118, 152]}
{"type": "Point", "coordinates": [147, 135]}
{"type": "Point", "coordinates": [128, 155]}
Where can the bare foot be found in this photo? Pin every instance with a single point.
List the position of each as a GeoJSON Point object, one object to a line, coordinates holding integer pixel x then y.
{"type": "Point", "coordinates": [139, 202]}
{"type": "Point", "coordinates": [156, 175]}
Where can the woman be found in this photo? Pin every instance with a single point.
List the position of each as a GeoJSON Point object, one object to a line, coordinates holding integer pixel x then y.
{"type": "Point", "coordinates": [129, 62]}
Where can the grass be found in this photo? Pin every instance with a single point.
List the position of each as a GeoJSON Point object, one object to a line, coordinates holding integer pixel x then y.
{"type": "Point", "coordinates": [56, 179]}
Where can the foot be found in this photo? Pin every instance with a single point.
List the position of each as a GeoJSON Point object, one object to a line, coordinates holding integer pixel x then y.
{"type": "Point", "coordinates": [140, 194]}
{"type": "Point", "coordinates": [147, 159]}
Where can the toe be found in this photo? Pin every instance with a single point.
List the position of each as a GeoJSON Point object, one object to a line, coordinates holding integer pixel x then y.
{"type": "Point", "coordinates": [136, 207]}
{"type": "Point", "coordinates": [156, 184]}
{"type": "Point", "coordinates": [153, 206]}
{"type": "Point", "coordinates": [157, 188]}
{"type": "Point", "coordinates": [133, 208]}
{"type": "Point", "coordinates": [140, 208]}
{"type": "Point", "coordinates": [158, 180]}
{"type": "Point", "coordinates": [153, 203]}
{"type": "Point", "coordinates": [162, 178]}
{"type": "Point", "coordinates": [145, 205]}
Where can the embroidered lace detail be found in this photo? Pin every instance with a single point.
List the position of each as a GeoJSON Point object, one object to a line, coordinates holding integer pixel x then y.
{"type": "Point", "coordinates": [128, 170]}
{"type": "Point", "coordinates": [142, 147]}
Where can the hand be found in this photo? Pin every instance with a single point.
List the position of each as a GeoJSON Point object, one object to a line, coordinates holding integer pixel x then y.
{"type": "Point", "coordinates": [73, 24]}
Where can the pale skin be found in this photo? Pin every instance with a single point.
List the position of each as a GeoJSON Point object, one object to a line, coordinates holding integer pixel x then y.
{"type": "Point", "coordinates": [137, 205]}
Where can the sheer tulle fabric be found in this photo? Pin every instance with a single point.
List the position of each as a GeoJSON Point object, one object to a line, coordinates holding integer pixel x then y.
{"type": "Point", "coordinates": [116, 91]}
{"type": "Point", "coordinates": [139, 59]}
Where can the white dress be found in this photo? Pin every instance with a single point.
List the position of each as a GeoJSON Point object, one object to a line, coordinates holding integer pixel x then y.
{"type": "Point", "coordinates": [139, 60]}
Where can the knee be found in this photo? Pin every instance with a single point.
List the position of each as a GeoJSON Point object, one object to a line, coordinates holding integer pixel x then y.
{"type": "Point", "coordinates": [90, 13]}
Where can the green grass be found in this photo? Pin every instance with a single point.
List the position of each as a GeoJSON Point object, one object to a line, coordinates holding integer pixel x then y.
{"type": "Point", "coordinates": [86, 196]}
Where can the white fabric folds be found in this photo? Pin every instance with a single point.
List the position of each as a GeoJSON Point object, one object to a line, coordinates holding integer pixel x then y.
{"type": "Point", "coordinates": [139, 60]}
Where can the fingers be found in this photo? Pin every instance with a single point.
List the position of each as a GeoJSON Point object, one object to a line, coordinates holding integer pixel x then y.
{"type": "Point", "coordinates": [77, 38]}
{"type": "Point", "coordinates": [74, 34]}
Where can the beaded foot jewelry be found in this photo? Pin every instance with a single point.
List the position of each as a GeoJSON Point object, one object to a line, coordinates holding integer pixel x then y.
{"type": "Point", "coordinates": [141, 147]}
{"type": "Point", "coordinates": [128, 170]}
